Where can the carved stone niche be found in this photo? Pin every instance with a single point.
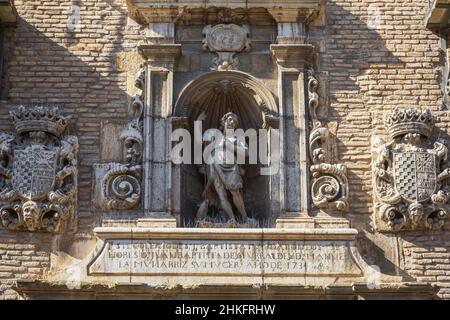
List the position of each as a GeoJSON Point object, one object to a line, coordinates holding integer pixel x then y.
{"type": "Point", "coordinates": [255, 107]}
{"type": "Point", "coordinates": [410, 174]}
{"type": "Point", "coordinates": [38, 172]}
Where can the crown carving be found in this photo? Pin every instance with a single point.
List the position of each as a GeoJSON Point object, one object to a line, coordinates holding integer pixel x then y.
{"type": "Point", "coordinates": [401, 122]}
{"type": "Point", "coordinates": [39, 118]}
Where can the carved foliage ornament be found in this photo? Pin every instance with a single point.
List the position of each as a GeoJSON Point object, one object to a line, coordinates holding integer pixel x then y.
{"type": "Point", "coordinates": [121, 185]}
{"type": "Point", "coordinates": [411, 174]}
{"type": "Point", "coordinates": [226, 40]}
{"type": "Point", "coordinates": [329, 185]}
{"type": "Point", "coordinates": [38, 172]}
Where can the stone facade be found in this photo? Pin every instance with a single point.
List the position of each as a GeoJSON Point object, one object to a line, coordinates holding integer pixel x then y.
{"type": "Point", "coordinates": [356, 60]}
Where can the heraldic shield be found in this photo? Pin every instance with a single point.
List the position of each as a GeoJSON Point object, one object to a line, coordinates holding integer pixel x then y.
{"type": "Point", "coordinates": [34, 171]}
{"type": "Point", "coordinates": [415, 175]}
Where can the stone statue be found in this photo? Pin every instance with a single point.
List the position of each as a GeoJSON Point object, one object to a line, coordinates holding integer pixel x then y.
{"type": "Point", "coordinates": [223, 176]}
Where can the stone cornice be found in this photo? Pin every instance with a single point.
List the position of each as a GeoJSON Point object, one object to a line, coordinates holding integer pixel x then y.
{"type": "Point", "coordinates": [160, 52]}
{"type": "Point", "coordinates": [41, 289]}
{"type": "Point", "coordinates": [218, 233]}
{"type": "Point", "coordinates": [293, 55]}
{"type": "Point", "coordinates": [150, 11]}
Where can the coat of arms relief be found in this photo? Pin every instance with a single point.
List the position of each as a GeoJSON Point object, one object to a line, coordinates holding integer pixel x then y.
{"type": "Point", "coordinates": [38, 172]}
{"type": "Point", "coordinates": [411, 173]}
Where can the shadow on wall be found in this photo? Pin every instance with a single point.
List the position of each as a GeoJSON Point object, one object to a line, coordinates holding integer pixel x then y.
{"type": "Point", "coordinates": [79, 71]}
{"type": "Point", "coordinates": [76, 70]}
{"type": "Point", "coordinates": [352, 45]}
{"type": "Point", "coordinates": [427, 257]}
{"type": "Point", "coordinates": [355, 53]}
{"type": "Point", "coordinates": [349, 46]}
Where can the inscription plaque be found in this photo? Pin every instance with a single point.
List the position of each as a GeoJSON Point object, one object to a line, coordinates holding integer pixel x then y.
{"type": "Point", "coordinates": [224, 257]}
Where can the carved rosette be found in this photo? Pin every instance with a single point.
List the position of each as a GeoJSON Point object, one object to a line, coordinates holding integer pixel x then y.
{"type": "Point", "coordinates": [329, 185]}
{"type": "Point", "coordinates": [226, 40]}
{"type": "Point", "coordinates": [121, 185]}
{"type": "Point", "coordinates": [38, 172]}
{"type": "Point", "coordinates": [410, 174]}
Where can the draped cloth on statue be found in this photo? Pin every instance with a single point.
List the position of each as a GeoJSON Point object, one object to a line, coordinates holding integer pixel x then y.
{"type": "Point", "coordinates": [223, 169]}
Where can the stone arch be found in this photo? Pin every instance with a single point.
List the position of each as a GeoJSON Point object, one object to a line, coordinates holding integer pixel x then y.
{"type": "Point", "coordinates": [217, 93]}
{"type": "Point", "coordinates": [224, 91]}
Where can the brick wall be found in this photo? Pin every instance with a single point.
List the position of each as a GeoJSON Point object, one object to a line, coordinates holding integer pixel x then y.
{"type": "Point", "coordinates": [378, 55]}
{"type": "Point", "coordinates": [21, 259]}
{"type": "Point", "coordinates": [84, 71]}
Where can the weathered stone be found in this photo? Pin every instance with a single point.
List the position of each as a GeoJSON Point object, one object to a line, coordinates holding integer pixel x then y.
{"type": "Point", "coordinates": [410, 174]}
{"type": "Point", "coordinates": [39, 172]}
{"type": "Point", "coordinates": [369, 58]}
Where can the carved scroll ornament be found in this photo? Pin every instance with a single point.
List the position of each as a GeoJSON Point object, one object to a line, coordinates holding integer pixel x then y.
{"type": "Point", "coordinates": [329, 185]}
{"type": "Point", "coordinates": [121, 185]}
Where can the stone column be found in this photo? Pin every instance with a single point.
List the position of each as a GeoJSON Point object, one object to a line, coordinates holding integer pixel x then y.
{"type": "Point", "coordinates": [294, 184]}
{"type": "Point", "coordinates": [293, 57]}
{"type": "Point", "coordinates": [160, 53]}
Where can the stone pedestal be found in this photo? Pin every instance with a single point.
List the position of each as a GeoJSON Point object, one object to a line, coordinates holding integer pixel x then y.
{"type": "Point", "coordinates": [186, 257]}
{"type": "Point", "coordinates": [170, 257]}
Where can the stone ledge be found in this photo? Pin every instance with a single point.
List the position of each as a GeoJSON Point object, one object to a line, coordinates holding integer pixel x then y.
{"type": "Point", "coordinates": [149, 4]}
{"type": "Point", "coordinates": [160, 52]}
{"type": "Point", "coordinates": [228, 234]}
{"type": "Point", "coordinates": [149, 11]}
{"type": "Point", "coordinates": [293, 55]}
{"type": "Point", "coordinates": [41, 289]}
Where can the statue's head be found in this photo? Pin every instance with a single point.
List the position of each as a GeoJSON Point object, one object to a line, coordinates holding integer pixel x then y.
{"type": "Point", "coordinates": [31, 214]}
{"type": "Point", "coordinates": [229, 121]}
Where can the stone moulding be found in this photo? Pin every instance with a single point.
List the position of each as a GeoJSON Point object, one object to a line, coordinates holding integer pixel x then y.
{"type": "Point", "coordinates": [329, 185]}
{"type": "Point", "coordinates": [148, 11]}
{"type": "Point", "coordinates": [41, 289]}
{"type": "Point", "coordinates": [410, 174]}
{"type": "Point", "coordinates": [120, 187]}
{"type": "Point", "coordinates": [38, 172]}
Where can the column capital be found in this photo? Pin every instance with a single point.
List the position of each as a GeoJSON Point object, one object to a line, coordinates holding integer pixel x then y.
{"type": "Point", "coordinates": [293, 15]}
{"type": "Point", "coordinates": [293, 55]}
{"type": "Point", "coordinates": [160, 53]}
{"type": "Point", "coordinates": [156, 13]}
